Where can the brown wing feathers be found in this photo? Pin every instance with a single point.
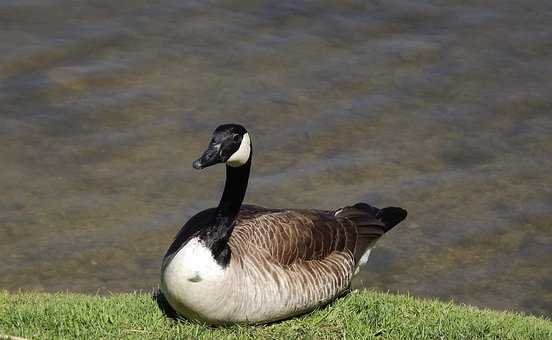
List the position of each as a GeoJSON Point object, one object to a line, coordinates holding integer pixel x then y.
{"type": "Point", "coordinates": [305, 235]}
{"type": "Point", "coordinates": [296, 235]}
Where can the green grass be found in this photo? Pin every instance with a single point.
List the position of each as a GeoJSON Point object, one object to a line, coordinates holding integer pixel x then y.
{"type": "Point", "coordinates": [359, 315]}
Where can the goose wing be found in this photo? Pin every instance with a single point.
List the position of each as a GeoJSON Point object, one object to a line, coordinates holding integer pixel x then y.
{"type": "Point", "coordinates": [291, 236]}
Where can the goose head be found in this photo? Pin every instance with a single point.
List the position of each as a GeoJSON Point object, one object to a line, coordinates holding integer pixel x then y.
{"type": "Point", "coordinates": [230, 144]}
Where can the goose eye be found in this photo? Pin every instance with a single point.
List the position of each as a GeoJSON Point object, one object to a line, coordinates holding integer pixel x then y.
{"type": "Point", "coordinates": [235, 137]}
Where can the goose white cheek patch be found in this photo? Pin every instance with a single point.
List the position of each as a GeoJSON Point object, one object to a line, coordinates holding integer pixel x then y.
{"type": "Point", "coordinates": [241, 156]}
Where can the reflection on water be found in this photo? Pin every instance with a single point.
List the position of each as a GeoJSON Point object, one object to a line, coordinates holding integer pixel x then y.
{"type": "Point", "coordinates": [442, 109]}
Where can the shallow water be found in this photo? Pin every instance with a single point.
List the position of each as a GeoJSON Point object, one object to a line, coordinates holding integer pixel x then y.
{"type": "Point", "coordinates": [443, 108]}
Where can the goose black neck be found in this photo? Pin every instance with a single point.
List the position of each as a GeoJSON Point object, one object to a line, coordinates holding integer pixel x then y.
{"type": "Point", "coordinates": [234, 192]}
{"type": "Point", "coordinates": [216, 235]}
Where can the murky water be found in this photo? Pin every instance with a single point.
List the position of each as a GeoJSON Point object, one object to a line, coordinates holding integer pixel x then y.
{"type": "Point", "coordinates": [444, 108]}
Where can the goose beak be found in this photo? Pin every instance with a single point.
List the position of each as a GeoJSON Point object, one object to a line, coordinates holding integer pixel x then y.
{"type": "Point", "coordinates": [197, 164]}
{"type": "Point", "coordinates": [211, 156]}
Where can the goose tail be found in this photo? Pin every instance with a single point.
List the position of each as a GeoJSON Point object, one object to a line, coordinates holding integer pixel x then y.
{"type": "Point", "coordinates": [363, 213]}
{"type": "Point", "coordinates": [389, 216]}
{"type": "Point", "coordinates": [371, 223]}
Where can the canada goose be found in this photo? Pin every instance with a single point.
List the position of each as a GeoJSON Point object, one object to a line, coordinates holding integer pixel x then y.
{"type": "Point", "coordinates": [248, 264]}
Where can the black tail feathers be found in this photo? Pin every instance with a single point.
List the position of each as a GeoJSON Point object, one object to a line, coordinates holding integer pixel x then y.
{"type": "Point", "coordinates": [390, 216]}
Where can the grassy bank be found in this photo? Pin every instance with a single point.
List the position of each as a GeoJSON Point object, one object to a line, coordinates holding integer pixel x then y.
{"type": "Point", "coordinates": [360, 315]}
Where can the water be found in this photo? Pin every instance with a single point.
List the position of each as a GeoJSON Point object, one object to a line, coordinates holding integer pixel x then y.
{"type": "Point", "coordinates": [443, 108]}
